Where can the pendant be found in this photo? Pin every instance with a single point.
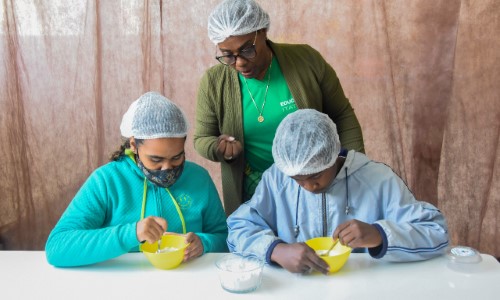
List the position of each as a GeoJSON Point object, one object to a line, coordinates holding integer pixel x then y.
{"type": "Point", "coordinates": [260, 119]}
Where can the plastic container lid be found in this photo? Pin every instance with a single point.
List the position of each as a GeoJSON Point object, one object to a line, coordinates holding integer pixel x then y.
{"type": "Point", "coordinates": [463, 255]}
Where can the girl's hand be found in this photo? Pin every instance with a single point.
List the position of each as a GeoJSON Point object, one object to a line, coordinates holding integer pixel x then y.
{"type": "Point", "coordinates": [195, 247]}
{"type": "Point", "coordinates": [150, 229]}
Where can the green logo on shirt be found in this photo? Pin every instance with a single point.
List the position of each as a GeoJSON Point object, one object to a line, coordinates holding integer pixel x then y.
{"type": "Point", "coordinates": [288, 105]}
{"type": "Point", "coordinates": [184, 201]}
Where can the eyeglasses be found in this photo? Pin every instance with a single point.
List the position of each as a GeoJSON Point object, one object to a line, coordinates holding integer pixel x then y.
{"type": "Point", "coordinates": [247, 53]}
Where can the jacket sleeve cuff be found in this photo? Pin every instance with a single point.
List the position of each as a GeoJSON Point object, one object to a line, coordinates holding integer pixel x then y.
{"type": "Point", "coordinates": [379, 251]}
{"type": "Point", "coordinates": [270, 251]}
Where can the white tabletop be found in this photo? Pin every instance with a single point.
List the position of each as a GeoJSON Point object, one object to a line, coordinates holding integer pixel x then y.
{"type": "Point", "coordinates": [27, 275]}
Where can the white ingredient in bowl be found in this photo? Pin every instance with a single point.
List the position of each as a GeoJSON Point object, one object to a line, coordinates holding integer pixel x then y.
{"type": "Point", "coordinates": [241, 281]}
{"type": "Point", "coordinates": [240, 275]}
{"type": "Point", "coordinates": [168, 249]}
{"type": "Point", "coordinates": [333, 252]}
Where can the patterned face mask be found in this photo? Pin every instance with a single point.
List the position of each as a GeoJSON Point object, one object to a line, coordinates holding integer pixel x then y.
{"type": "Point", "coordinates": [162, 178]}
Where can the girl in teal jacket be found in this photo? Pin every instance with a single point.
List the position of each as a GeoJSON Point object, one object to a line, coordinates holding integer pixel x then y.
{"type": "Point", "coordinates": [148, 189]}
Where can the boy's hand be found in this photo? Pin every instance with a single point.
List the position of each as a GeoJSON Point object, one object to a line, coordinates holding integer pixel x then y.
{"type": "Point", "coordinates": [298, 258]}
{"type": "Point", "coordinates": [357, 234]}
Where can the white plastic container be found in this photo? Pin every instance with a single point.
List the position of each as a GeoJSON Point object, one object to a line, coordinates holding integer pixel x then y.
{"type": "Point", "coordinates": [239, 274]}
{"type": "Point", "coordinates": [464, 259]}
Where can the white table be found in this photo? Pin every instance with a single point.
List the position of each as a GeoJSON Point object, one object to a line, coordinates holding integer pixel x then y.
{"type": "Point", "coordinates": [27, 275]}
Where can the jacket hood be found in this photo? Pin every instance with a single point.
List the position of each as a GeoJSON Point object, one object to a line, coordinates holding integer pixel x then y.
{"type": "Point", "coordinates": [354, 161]}
{"type": "Point", "coordinates": [129, 157]}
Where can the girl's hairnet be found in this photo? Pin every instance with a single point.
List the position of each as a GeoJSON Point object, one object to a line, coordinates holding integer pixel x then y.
{"type": "Point", "coordinates": [235, 17]}
{"type": "Point", "coordinates": [306, 142]}
{"type": "Point", "coordinates": [153, 116]}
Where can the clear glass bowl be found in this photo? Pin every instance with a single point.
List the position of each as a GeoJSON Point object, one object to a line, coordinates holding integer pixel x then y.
{"type": "Point", "coordinates": [239, 274]}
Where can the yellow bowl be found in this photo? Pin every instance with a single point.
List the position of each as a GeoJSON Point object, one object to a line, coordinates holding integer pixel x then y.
{"type": "Point", "coordinates": [172, 247]}
{"type": "Point", "coordinates": [337, 257]}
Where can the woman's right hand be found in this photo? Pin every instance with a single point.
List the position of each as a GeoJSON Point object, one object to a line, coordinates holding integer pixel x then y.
{"type": "Point", "coordinates": [150, 229]}
{"type": "Point", "coordinates": [228, 147]}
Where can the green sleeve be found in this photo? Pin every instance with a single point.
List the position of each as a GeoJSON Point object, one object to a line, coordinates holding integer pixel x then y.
{"type": "Point", "coordinates": [314, 84]}
{"type": "Point", "coordinates": [207, 124]}
{"type": "Point", "coordinates": [338, 107]}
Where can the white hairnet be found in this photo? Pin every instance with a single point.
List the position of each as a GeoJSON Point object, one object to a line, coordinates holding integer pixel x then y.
{"type": "Point", "coordinates": [235, 17]}
{"type": "Point", "coordinates": [153, 116]}
{"type": "Point", "coordinates": [306, 142]}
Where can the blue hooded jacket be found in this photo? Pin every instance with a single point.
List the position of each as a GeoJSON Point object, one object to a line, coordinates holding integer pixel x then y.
{"type": "Point", "coordinates": [282, 211]}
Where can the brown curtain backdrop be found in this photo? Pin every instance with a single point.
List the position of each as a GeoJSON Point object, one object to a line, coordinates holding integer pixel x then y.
{"type": "Point", "coordinates": [422, 76]}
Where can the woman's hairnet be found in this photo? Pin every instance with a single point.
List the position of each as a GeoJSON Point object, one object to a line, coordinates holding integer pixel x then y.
{"type": "Point", "coordinates": [306, 142]}
{"type": "Point", "coordinates": [235, 17]}
{"type": "Point", "coordinates": [153, 116]}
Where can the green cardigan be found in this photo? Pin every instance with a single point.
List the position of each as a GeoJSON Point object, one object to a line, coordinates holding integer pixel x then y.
{"type": "Point", "coordinates": [313, 84]}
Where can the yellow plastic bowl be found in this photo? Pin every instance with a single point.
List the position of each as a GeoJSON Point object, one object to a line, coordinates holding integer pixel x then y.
{"type": "Point", "coordinates": [338, 256]}
{"type": "Point", "coordinates": [170, 259]}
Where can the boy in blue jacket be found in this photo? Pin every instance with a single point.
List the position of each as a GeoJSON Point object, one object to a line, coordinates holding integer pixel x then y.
{"type": "Point", "coordinates": [314, 189]}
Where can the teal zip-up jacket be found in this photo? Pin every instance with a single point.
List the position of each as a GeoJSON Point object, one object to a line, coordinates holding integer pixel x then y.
{"type": "Point", "coordinates": [100, 222]}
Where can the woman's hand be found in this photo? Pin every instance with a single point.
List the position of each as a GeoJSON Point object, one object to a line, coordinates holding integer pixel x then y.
{"type": "Point", "coordinates": [150, 229]}
{"type": "Point", "coordinates": [357, 234]}
{"type": "Point", "coordinates": [228, 147]}
{"type": "Point", "coordinates": [298, 258]}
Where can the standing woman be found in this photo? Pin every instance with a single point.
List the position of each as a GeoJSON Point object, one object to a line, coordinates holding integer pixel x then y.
{"type": "Point", "coordinates": [148, 188]}
{"type": "Point", "coordinates": [242, 100]}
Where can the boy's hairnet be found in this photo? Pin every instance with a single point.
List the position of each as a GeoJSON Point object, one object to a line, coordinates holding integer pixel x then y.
{"type": "Point", "coordinates": [235, 17]}
{"type": "Point", "coordinates": [306, 142]}
{"type": "Point", "coordinates": [153, 116]}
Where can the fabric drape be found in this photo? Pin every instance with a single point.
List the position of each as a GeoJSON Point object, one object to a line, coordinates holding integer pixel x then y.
{"type": "Point", "coordinates": [421, 76]}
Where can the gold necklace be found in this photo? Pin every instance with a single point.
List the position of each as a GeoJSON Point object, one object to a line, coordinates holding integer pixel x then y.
{"type": "Point", "coordinates": [261, 118]}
